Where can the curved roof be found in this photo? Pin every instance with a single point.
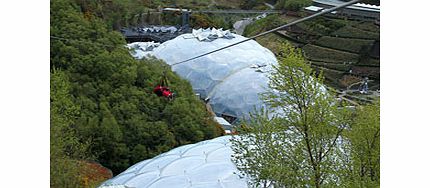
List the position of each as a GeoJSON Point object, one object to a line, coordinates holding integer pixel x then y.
{"type": "Point", "coordinates": [232, 78]}
{"type": "Point", "coordinates": [357, 6]}
{"type": "Point", "coordinates": [239, 94]}
{"type": "Point", "coordinates": [204, 164]}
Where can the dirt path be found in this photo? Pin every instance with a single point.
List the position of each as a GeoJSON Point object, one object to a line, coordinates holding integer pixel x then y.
{"type": "Point", "coordinates": [270, 6]}
{"type": "Point", "coordinates": [240, 25]}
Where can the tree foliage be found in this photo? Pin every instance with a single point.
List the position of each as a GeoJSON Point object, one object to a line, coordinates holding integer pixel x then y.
{"type": "Point", "coordinates": [307, 138]}
{"type": "Point", "coordinates": [112, 92]}
{"type": "Point", "coordinates": [116, 13]}
{"type": "Point", "coordinates": [292, 5]}
{"type": "Point", "coordinates": [250, 4]}
{"type": "Point", "coordinates": [208, 21]}
{"type": "Point", "coordinates": [263, 24]}
{"type": "Point", "coordinates": [363, 165]}
{"type": "Point", "coordinates": [66, 147]}
{"type": "Point", "coordinates": [304, 140]}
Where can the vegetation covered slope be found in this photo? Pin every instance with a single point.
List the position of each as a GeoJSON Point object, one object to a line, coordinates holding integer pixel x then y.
{"type": "Point", "coordinates": [115, 109]}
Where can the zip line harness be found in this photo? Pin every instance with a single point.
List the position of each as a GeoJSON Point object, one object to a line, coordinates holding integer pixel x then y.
{"type": "Point", "coordinates": [162, 89]}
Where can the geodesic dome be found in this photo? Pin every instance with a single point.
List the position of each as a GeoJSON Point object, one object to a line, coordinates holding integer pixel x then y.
{"type": "Point", "coordinates": [204, 164]}
{"type": "Point", "coordinates": [232, 78]}
{"type": "Point", "coordinates": [239, 95]}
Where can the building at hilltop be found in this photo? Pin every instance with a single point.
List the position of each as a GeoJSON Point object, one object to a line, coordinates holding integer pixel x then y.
{"type": "Point", "coordinates": [359, 11]}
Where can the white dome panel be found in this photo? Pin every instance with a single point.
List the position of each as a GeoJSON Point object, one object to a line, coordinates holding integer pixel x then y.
{"type": "Point", "coordinates": [224, 76]}
{"type": "Point", "coordinates": [142, 180]}
{"type": "Point", "coordinates": [209, 166]}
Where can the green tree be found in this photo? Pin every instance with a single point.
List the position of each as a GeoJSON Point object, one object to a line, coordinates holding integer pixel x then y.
{"type": "Point", "coordinates": [363, 165]}
{"type": "Point", "coordinates": [198, 20]}
{"type": "Point", "coordinates": [300, 146]}
{"type": "Point", "coordinates": [292, 5]}
{"type": "Point", "coordinates": [249, 4]}
{"type": "Point", "coordinates": [115, 13]}
{"type": "Point", "coordinates": [65, 146]}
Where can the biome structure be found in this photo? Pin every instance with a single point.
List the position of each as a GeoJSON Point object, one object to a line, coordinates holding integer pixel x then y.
{"type": "Point", "coordinates": [232, 78]}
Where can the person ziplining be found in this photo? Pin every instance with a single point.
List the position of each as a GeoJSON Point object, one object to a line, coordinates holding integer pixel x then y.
{"type": "Point", "coordinates": [162, 89]}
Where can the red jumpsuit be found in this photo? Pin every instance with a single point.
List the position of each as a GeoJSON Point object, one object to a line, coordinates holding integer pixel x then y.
{"type": "Point", "coordinates": [158, 90]}
{"type": "Point", "coordinates": [163, 91]}
{"type": "Point", "coordinates": [166, 92]}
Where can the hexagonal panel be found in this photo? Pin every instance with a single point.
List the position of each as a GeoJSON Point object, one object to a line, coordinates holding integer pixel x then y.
{"type": "Point", "coordinates": [224, 76]}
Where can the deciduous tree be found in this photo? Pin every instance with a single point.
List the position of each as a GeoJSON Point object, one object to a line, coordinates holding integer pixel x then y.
{"type": "Point", "coordinates": [362, 167]}
{"type": "Point", "coordinates": [300, 145]}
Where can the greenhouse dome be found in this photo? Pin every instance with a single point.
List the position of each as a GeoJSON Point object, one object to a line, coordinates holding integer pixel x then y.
{"type": "Point", "coordinates": [232, 78]}
{"type": "Point", "coordinates": [204, 164]}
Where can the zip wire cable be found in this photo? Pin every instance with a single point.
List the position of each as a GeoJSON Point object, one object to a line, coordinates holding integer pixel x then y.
{"type": "Point", "coordinates": [325, 11]}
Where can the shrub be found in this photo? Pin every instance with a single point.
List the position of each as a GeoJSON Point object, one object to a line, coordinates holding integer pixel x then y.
{"type": "Point", "coordinates": [334, 66]}
{"type": "Point", "coordinates": [317, 53]}
{"type": "Point", "coordinates": [344, 44]}
{"type": "Point", "coordinates": [351, 32]}
{"type": "Point", "coordinates": [263, 24]}
{"type": "Point", "coordinates": [367, 26]}
{"type": "Point", "coordinates": [369, 62]}
{"type": "Point", "coordinates": [322, 26]}
{"type": "Point", "coordinates": [206, 21]}
{"type": "Point", "coordinates": [292, 5]}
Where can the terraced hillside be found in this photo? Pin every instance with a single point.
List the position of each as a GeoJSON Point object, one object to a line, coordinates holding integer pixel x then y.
{"type": "Point", "coordinates": [346, 51]}
{"type": "Point", "coordinates": [351, 45]}
{"type": "Point", "coordinates": [347, 54]}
